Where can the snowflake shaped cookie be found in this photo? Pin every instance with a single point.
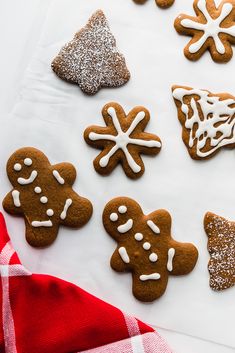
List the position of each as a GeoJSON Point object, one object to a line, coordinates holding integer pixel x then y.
{"type": "Point", "coordinates": [208, 120]}
{"type": "Point", "coordinates": [122, 140]}
{"type": "Point", "coordinates": [213, 29]}
{"type": "Point", "coordinates": [221, 246]}
{"type": "Point", "coordinates": [145, 247]}
{"type": "Point", "coordinates": [161, 3]}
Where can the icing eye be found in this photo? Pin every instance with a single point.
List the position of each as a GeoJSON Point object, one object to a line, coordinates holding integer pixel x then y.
{"type": "Point", "coordinates": [50, 212]}
{"type": "Point", "coordinates": [38, 190]}
{"type": "Point", "coordinates": [113, 217]}
{"type": "Point", "coordinates": [146, 246]}
{"type": "Point", "coordinates": [28, 161]}
{"type": "Point", "coordinates": [43, 199]}
{"type": "Point", "coordinates": [17, 167]}
{"type": "Point", "coordinates": [122, 209]}
{"type": "Point", "coordinates": [139, 236]}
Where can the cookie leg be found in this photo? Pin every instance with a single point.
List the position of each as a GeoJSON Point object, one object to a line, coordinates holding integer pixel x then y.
{"type": "Point", "coordinates": [40, 235]}
{"type": "Point", "coordinates": [149, 287]}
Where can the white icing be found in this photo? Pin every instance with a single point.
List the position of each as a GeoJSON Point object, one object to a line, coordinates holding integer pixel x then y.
{"type": "Point", "coordinates": [43, 199]}
{"type": "Point", "coordinates": [124, 256]}
{"type": "Point", "coordinates": [67, 204]}
{"type": "Point", "coordinates": [58, 177]}
{"type": "Point", "coordinates": [139, 236]}
{"type": "Point", "coordinates": [32, 177]}
{"type": "Point", "coordinates": [28, 162]}
{"type": "Point", "coordinates": [37, 224]}
{"type": "Point", "coordinates": [50, 212]}
{"type": "Point", "coordinates": [122, 139]}
{"type": "Point", "coordinates": [17, 167]}
{"type": "Point", "coordinates": [211, 28]}
{"type": "Point", "coordinates": [122, 209]}
{"type": "Point", "coordinates": [16, 198]}
{"type": "Point", "coordinates": [171, 254]}
{"type": "Point", "coordinates": [126, 226]}
{"type": "Point", "coordinates": [153, 227]}
{"type": "Point", "coordinates": [153, 276]}
{"type": "Point", "coordinates": [217, 124]}
{"type": "Point", "coordinates": [153, 257]}
{"type": "Point", "coordinates": [113, 217]}
{"type": "Point", "coordinates": [38, 190]}
{"type": "Point", "coordinates": [146, 246]}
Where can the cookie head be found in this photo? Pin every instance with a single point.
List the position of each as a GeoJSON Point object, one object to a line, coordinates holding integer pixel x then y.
{"type": "Point", "coordinates": [145, 247]}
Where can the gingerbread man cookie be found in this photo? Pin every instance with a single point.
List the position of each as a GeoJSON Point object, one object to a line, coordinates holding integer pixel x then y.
{"type": "Point", "coordinates": [161, 3]}
{"type": "Point", "coordinates": [42, 194]}
{"type": "Point", "coordinates": [212, 29]}
{"type": "Point", "coordinates": [145, 247]}
{"type": "Point", "coordinates": [208, 120]}
{"type": "Point", "coordinates": [122, 140]}
{"type": "Point", "coordinates": [92, 59]}
{"type": "Point", "coordinates": [221, 247]}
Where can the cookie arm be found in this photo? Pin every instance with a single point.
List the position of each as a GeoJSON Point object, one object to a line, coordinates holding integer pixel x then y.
{"type": "Point", "coordinates": [64, 173]}
{"type": "Point", "coordinates": [117, 263]}
{"type": "Point", "coordinates": [12, 204]}
{"type": "Point", "coordinates": [182, 258]}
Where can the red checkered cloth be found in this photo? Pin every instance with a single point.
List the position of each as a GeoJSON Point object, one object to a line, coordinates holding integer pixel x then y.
{"type": "Point", "coordinates": [44, 314]}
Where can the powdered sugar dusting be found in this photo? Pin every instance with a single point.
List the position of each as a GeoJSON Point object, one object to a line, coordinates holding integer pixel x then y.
{"type": "Point", "coordinates": [221, 246]}
{"type": "Point", "coordinates": [91, 59]}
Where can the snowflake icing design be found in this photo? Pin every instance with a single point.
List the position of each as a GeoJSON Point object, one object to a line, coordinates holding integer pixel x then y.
{"type": "Point", "coordinates": [122, 139]}
{"type": "Point", "coordinates": [210, 26]}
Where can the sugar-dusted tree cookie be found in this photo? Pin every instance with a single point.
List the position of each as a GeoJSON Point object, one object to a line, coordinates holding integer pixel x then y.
{"type": "Point", "coordinates": [161, 3]}
{"type": "Point", "coordinates": [208, 120]}
{"type": "Point", "coordinates": [42, 194]}
{"type": "Point", "coordinates": [122, 140]}
{"type": "Point", "coordinates": [145, 247]}
{"type": "Point", "coordinates": [92, 59]}
{"type": "Point", "coordinates": [212, 29]}
{"type": "Point", "coordinates": [221, 246]}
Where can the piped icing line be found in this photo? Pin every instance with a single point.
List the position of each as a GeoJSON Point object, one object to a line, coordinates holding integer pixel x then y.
{"type": "Point", "coordinates": [30, 180]}
{"type": "Point", "coordinates": [153, 276]}
{"type": "Point", "coordinates": [16, 198]}
{"type": "Point", "coordinates": [126, 226]}
{"type": "Point", "coordinates": [218, 119]}
{"type": "Point", "coordinates": [122, 139]}
{"type": "Point", "coordinates": [153, 227]}
{"type": "Point", "coordinates": [210, 29]}
{"type": "Point", "coordinates": [124, 255]}
{"type": "Point", "coordinates": [38, 224]}
{"type": "Point", "coordinates": [67, 204]}
{"type": "Point", "coordinates": [58, 177]}
{"type": "Point", "coordinates": [171, 254]}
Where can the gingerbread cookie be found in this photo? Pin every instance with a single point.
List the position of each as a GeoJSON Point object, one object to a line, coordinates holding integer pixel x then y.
{"type": "Point", "coordinates": [145, 247]}
{"type": "Point", "coordinates": [221, 246]}
{"type": "Point", "coordinates": [208, 120]}
{"type": "Point", "coordinates": [91, 59]}
{"type": "Point", "coordinates": [161, 3]}
{"type": "Point", "coordinates": [122, 140]}
{"type": "Point", "coordinates": [42, 194]}
{"type": "Point", "coordinates": [212, 29]}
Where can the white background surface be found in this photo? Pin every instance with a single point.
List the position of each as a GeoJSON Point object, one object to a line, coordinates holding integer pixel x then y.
{"type": "Point", "coordinates": [38, 109]}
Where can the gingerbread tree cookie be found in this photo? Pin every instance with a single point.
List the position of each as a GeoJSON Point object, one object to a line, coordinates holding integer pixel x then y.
{"type": "Point", "coordinates": [42, 194]}
{"type": "Point", "coordinates": [208, 120]}
{"type": "Point", "coordinates": [221, 246]}
{"type": "Point", "coordinates": [122, 140]}
{"type": "Point", "coordinates": [212, 29]}
{"type": "Point", "coordinates": [92, 59]}
{"type": "Point", "coordinates": [161, 3]}
{"type": "Point", "coordinates": [145, 247]}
